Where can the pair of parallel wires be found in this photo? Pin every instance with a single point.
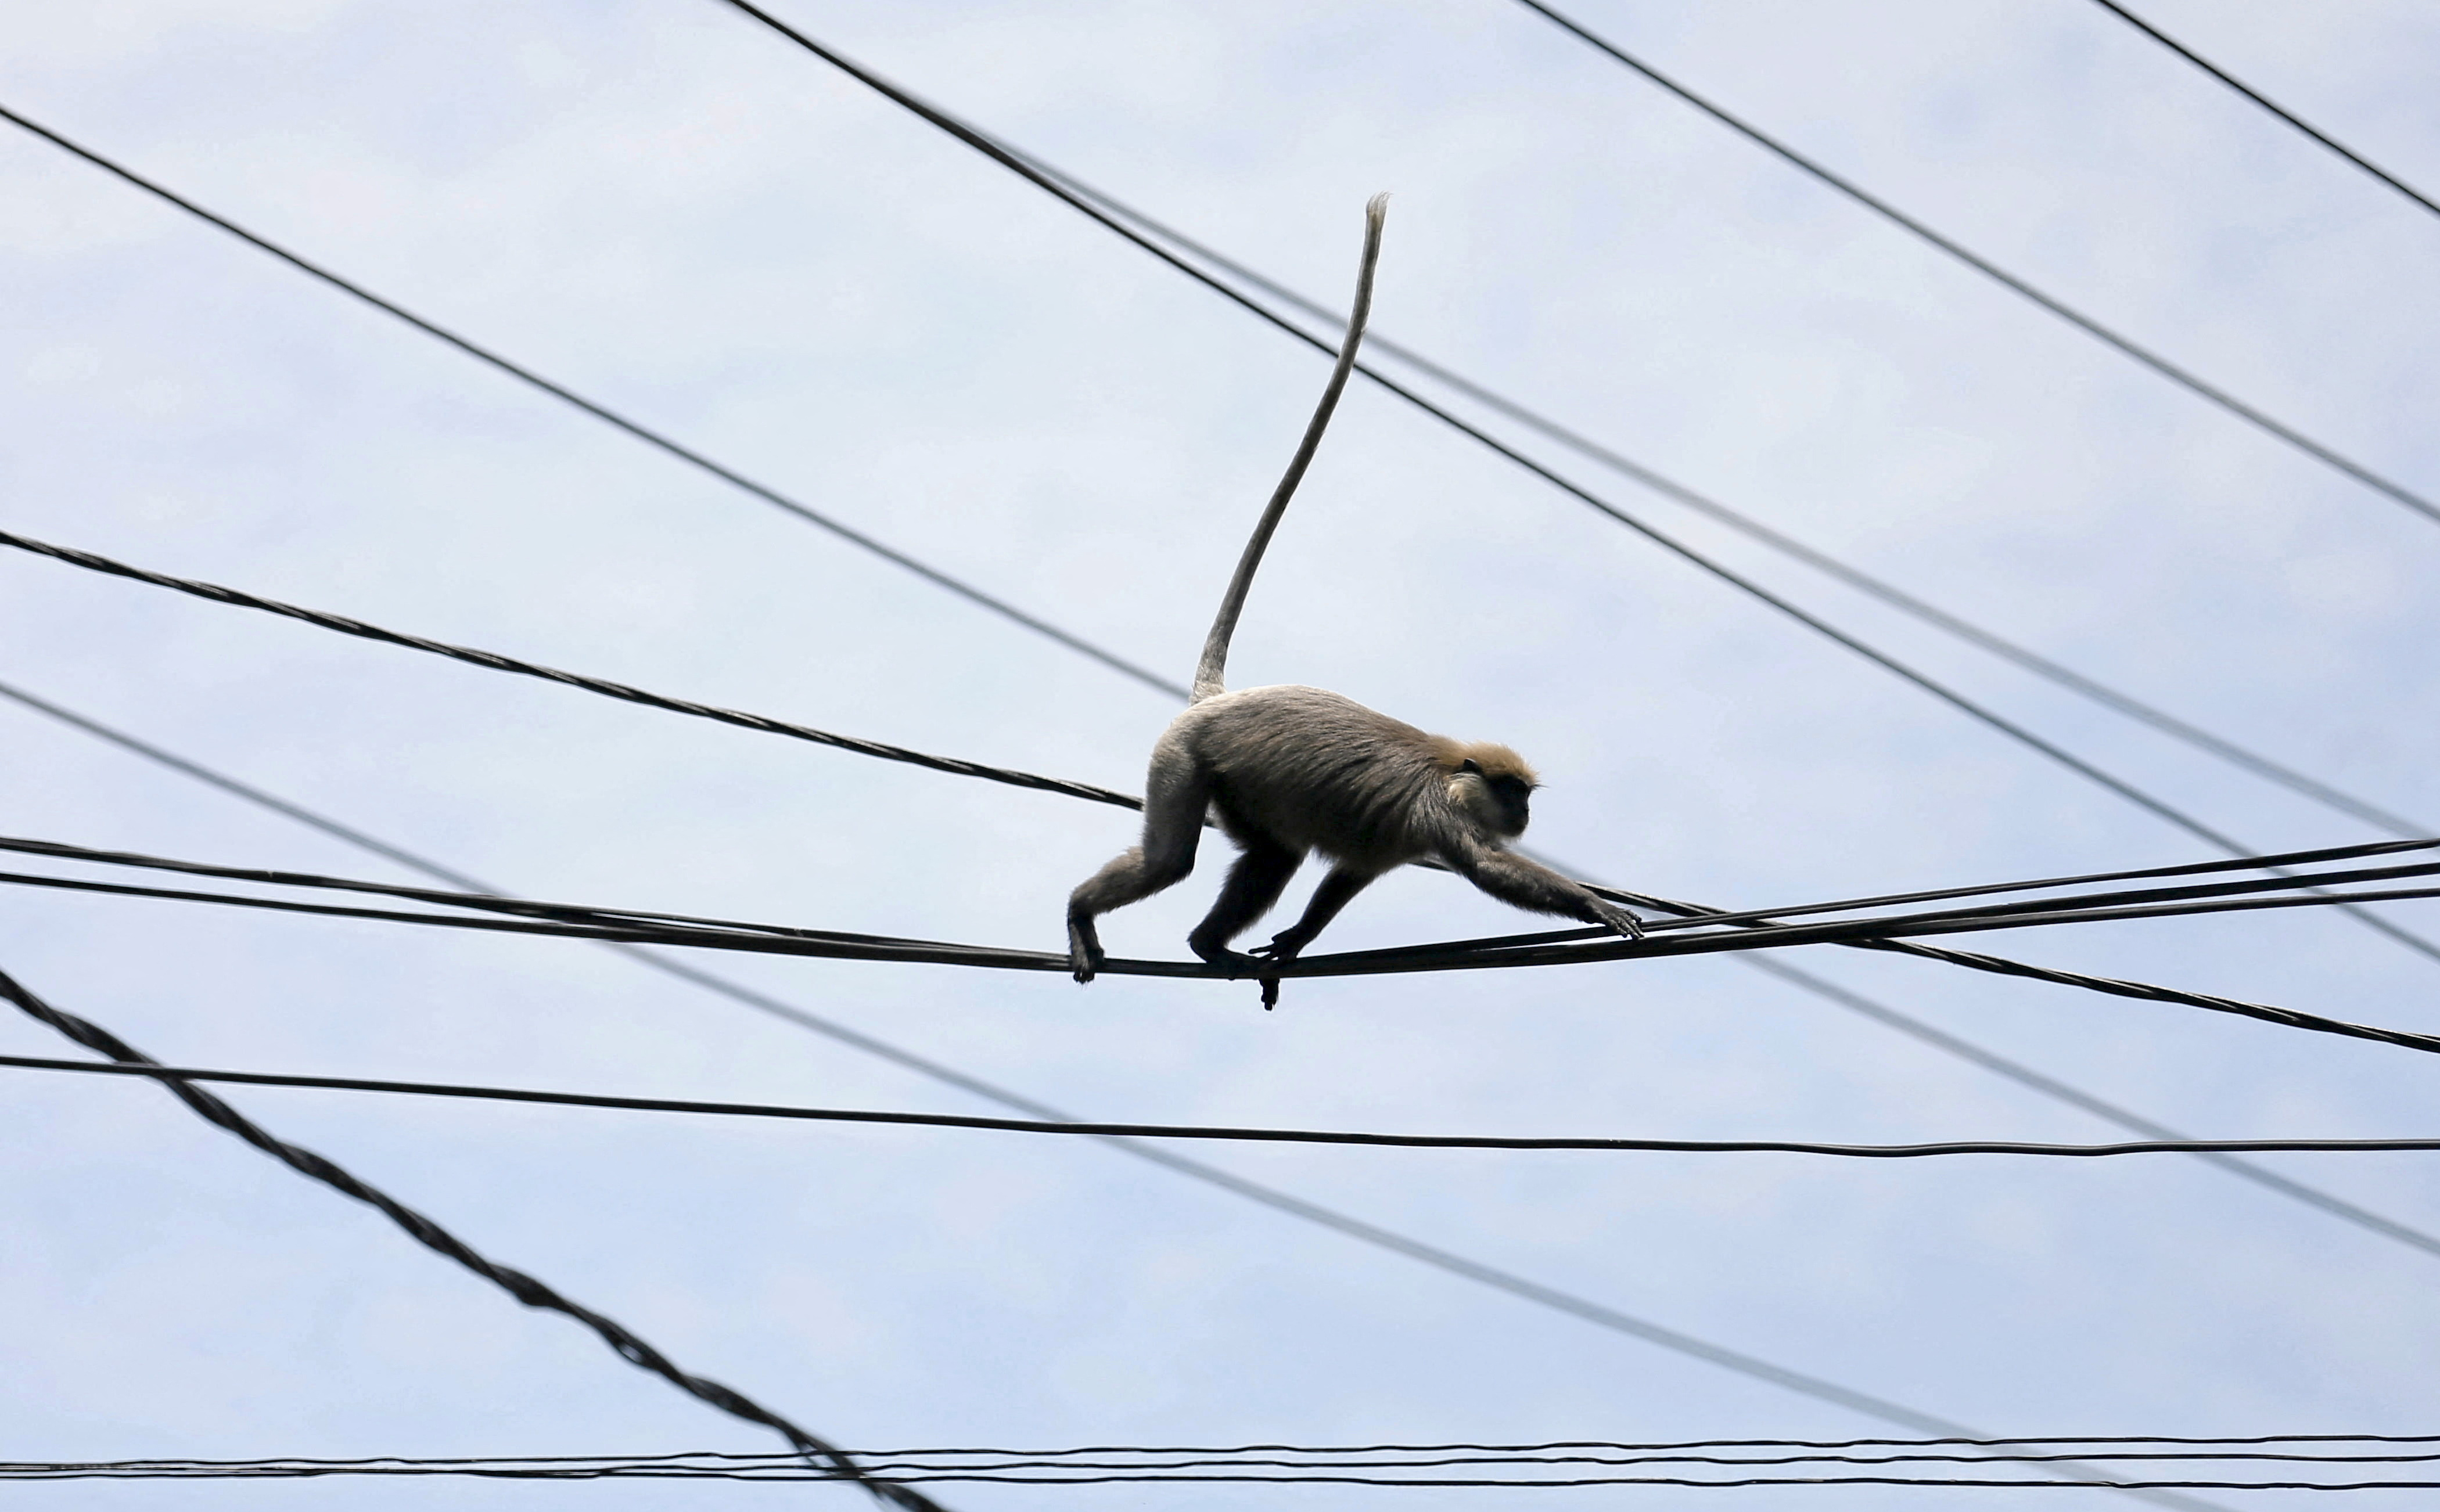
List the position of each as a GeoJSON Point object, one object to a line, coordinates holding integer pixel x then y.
{"type": "Point", "coordinates": [2129, 1464]}
{"type": "Point", "coordinates": [1039, 626]}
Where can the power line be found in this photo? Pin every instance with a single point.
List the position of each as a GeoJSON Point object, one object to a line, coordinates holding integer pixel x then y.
{"type": "Point", "coordinates": [608, 415]}
{"type": "Point", "coordinates": [1449, 1262]}
{"type": "Point", "coordinates": [2155, 1446]}
{"type": "Point", "coordinates": [494, 661]}
{"type": "Point", "coordinates": [2074, 1097]}
{"type": "Point", "coordinates": [1026, 169]}
{"type": "Point", "coordinates": [717, 1109]}
{"type": "Point", "coordinates": [1526, 1466]}
{"type": "Point", "coordinates": [1754, 921]}
{"type": "Point", "coordinates": [631, 927]}
{"type": "Point", "coordinates": [2184, 378]}
{"type": "Point", "coordinates": [432, 1236]}
{"type": "Point", "coordinates": [2418, 196]}
{"type": "Point", "coordinates": [2286, 858]}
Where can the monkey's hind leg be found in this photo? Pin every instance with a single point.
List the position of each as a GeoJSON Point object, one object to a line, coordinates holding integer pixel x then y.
{"type": "Point", "coordinates": [1255, 884]}
{"type": "Point", "coordinates": [1174, 810]}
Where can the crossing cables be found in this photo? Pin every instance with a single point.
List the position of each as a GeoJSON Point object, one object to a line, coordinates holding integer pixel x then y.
{"type": "Point", "coordinates": [533, 1293]}
{"type": "Point", "coordinates": [1730, 932]}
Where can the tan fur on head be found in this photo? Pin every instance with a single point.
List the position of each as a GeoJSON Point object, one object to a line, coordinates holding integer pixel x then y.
{"type": "Point", "coordinates": [1499, 761]}
{"type": "Point", "coordinates": [1490, 757]}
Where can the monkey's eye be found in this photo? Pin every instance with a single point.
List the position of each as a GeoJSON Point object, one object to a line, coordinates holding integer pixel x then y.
{"type": "Point", "coordinates": [1511, 790]}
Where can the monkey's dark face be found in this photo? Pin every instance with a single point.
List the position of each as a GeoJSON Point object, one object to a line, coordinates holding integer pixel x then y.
{"type": "Point", "coordinates": [1513, 795]}
{"type": "Point", "coordinates": [1500, 801]}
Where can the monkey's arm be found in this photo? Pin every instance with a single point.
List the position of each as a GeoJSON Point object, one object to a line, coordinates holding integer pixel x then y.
{"type": "Point", "coordinates": [1531, 885]}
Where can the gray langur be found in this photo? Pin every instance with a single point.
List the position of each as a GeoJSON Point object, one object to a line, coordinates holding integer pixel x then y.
{"type": "Point", "coordinates": [1294, 770]}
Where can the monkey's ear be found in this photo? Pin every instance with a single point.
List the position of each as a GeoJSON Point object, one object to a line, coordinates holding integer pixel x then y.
{"type": "Point", "coordinates": [1470, 764]}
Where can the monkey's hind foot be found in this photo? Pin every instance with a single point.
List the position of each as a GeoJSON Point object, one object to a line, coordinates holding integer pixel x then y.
{"type": "Point", "coordinates": [1279, 953]}
{"type": "Point", "coordinates": [1237, 964]}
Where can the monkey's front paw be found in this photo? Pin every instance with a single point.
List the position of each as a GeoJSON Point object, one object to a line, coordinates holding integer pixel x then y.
{"type": "Point", "coordinates": [1620, 919]}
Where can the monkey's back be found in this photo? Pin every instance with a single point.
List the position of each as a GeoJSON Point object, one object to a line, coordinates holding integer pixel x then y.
{"type": "Point", "coordinates": [1313, 770]}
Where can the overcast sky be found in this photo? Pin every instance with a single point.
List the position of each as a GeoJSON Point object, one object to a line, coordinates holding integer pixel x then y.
{"type": "Point", "coordinates": [674, 212]}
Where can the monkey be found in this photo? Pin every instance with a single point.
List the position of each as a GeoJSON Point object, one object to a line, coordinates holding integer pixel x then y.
{"type": "Point", "coordinates": [1293, 770]}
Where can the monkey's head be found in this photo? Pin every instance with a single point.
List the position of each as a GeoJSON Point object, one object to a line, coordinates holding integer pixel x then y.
{"type": "Point", "coordinates": [1493, 786]}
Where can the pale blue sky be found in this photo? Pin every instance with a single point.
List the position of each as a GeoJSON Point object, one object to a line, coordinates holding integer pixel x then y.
{"type": "Point", "coordinates": [666, 207]}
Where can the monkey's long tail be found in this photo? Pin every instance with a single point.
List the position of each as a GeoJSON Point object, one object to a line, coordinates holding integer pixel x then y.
{"type": "Point", "coordinates": [1210, 673]}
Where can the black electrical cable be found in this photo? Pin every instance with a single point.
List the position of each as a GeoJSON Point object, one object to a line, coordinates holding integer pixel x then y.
{"type": "Point", "coordinates": [1691, 916]}
{"type": "Point", "coordinates": [653, 1469]}
{"type": "Point", "coordinates": [576, 922]}
{"type": "Point", "coordinates": [2413, 194]}
{"type": "Point", "coordinates": [2076, 1098]}
{"type": "Point", "coordinates": [2296, 858]}
{"type": "Point", "coordinates": [605, 414]}
{"type": "Point", "coordinates": [432, 1236]}
{"type": "Point", "coordinates": [1049, 182]}
{"type": "Point", "coordinates": [2009, 1451]}
{"type": "Point", "coordinates": [712, 1107]}
{"type": "Point", "coordinates": [2259, 419]}
{"type": "Point", "coordinates": [1526, 1466]}
{"type": "Point", "coordinates": [495, 662]}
